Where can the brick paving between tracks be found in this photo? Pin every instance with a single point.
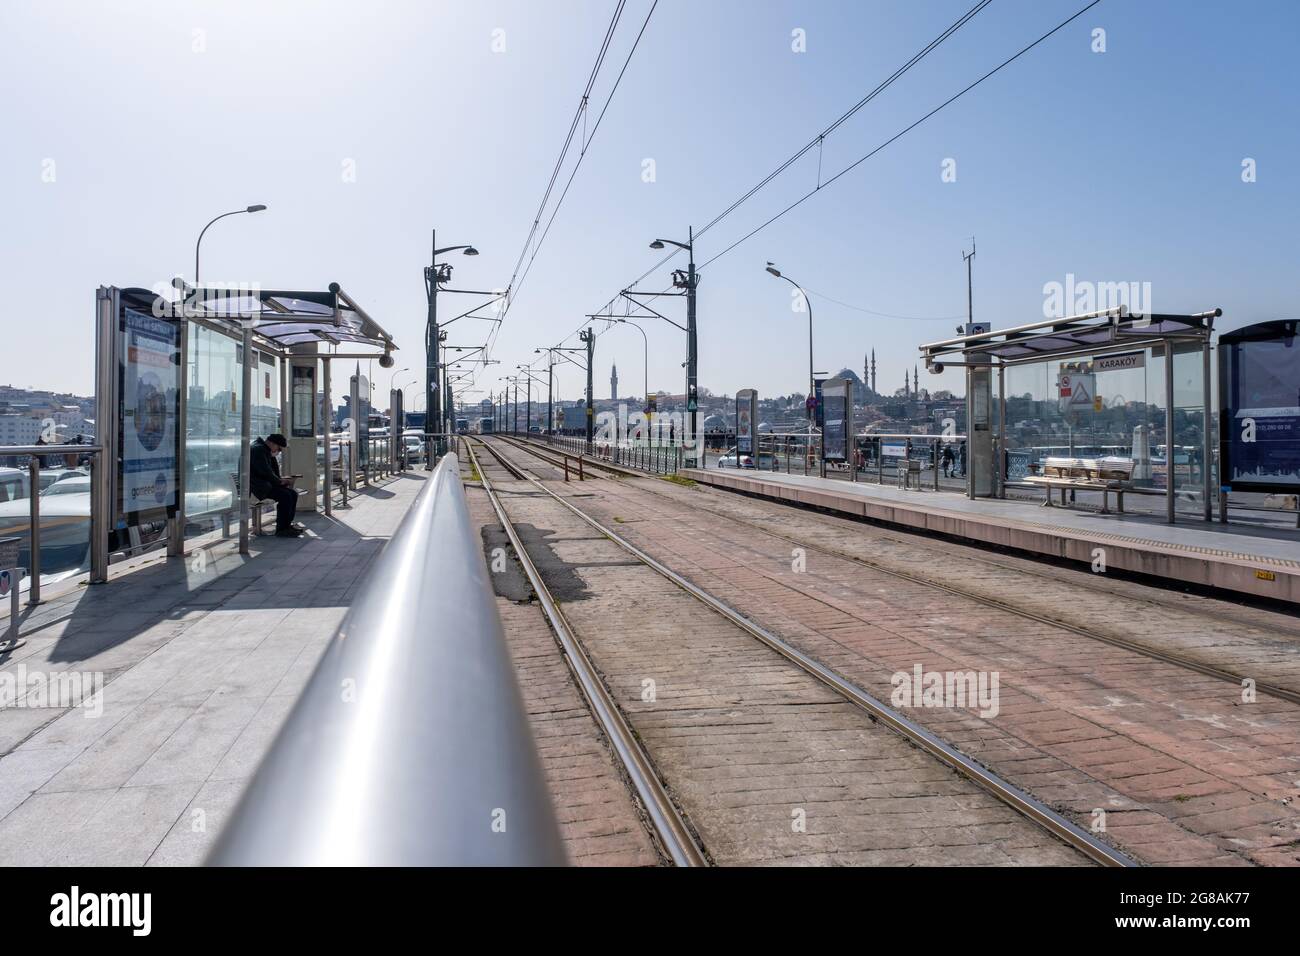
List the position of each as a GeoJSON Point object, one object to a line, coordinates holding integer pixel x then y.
{"type": "Point", "coordinates": [770, 766]}
{"type": "Point", "coordinates": [1185, 771]}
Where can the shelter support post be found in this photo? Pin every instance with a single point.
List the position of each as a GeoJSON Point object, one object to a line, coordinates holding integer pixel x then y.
{"type": "Point", "coordinates": [1001, 473]}
{"type": "Point", "coordinates": [327, 430]}
{"type": "Point", "coordinates": [1207, 442]}
{"type": "Point", "coordinates": [176, 523]}
{"type": "Point", "coordinates": [1169, 432]}
{"type": "Point", "coordinates": [101, 470]}
{"type": "Point", "coordinates": [245, 437]}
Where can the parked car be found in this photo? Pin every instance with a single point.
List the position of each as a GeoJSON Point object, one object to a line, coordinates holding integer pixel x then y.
{"type": "Point", "coordinates": [77, 483]}
{"type": "Point", "coordinates": [732, 460]}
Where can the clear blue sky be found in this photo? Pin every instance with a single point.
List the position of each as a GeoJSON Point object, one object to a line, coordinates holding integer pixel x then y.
{"type": "Point", "coordinates": [1119, 166]}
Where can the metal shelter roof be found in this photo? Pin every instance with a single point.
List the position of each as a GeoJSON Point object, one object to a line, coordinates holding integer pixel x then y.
{"type": "Point", "coordinates": [283, 318]}
{"type": "Point", "coordinates": [1108, 330]}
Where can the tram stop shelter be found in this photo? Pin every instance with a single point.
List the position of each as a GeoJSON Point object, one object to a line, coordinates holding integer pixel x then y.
{"type": "Point", "coordinates": [184, 384]}
{"type": "Point", "coordinates": [1100, 384]}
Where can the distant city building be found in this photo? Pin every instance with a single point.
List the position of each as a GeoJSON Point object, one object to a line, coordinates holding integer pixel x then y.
{"type": "Point", "coordinates": [20, 429]}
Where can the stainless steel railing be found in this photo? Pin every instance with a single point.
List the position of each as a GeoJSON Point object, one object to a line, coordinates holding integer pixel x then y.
{"type": "Point", "coordinates": [98, 503]}
{"type": "Point", "coordinates": [409, 745]}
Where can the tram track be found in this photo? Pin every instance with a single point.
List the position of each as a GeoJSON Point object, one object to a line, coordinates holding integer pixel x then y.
{"type": "Point", "coordinates": [1208, 670]}
{"type": "Point", "coordinates": [670, 827]}
{"type": "Point", "coordinates": [642, 770]}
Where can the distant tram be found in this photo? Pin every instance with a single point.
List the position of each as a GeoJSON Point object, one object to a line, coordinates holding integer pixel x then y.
{"type": "Point", "coordinates": [485, 426]}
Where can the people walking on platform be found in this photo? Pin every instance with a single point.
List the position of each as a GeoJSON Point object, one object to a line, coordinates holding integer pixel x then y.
{"type": "Point", "coordinates": [949, 459]}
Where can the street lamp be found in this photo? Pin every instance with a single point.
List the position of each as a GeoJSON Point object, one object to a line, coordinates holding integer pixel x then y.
{"type": "Point", "coordinates": [550, 391]}
{"type": "Point", "coordinates": [646, 343]}
{"type": "Point", "coordinates": [812, 387]}
{"type": "Point", "coordinates": [528, 398]}
{"type": "Point", "coordinates": [434, 275]}
{"type": "Point", "coordinates": [688, 281]}
{"type": "Point", "coordinates": [234, 212]}
{"type": "Point", "coordinates": [514, 381]}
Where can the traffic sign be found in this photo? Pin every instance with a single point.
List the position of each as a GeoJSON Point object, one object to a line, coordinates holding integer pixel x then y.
{"type": "Point", "coordinates": [1075, 390]}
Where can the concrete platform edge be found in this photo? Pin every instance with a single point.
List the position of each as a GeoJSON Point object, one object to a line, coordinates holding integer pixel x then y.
{"type": "Point", "coordinates": [1213, 571]}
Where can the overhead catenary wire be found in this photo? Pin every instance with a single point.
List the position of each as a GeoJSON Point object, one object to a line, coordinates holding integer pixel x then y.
{"type": "Point", "coordinates": [816, 142]}
{"type": "Point", "coordinates": [858, 162]}
{"type": "Point", "coordinates": [518, 278]}
{"type": "Point", "coordinates": [901, 133]}
{"type": "Point", "coordinates": [884, 315]}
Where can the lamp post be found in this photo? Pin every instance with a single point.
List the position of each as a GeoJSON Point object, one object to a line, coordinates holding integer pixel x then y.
{"type": "Point", "coordinates": [234, 212]}
{"type": "Point", "coordinates": [528, 398]}
{"type": "Point", "coordinates": [435, 275]}
{"type": "Point", "coordinates": [550, 386]}
{"type": "Point", "coordinates": [812, 376]}
{"type": "Point", "coordinates": [689, 281]}
{"type": "Point", "coordinates": [513, 380]}
{"type": "Point", "coordinates": [550, 381]}
{"type": "Point", "coordinates": [646, 343]}
{"type": "Point", "coordinates": [402, 388]}
{"type": "Point", "coordinates": [812, 387]}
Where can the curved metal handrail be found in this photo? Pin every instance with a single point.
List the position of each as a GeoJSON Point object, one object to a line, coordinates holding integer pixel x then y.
{"type": "Point", "coordinates": [410, 744]}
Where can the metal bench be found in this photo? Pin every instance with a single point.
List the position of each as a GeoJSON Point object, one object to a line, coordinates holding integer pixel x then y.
{"type": "Point", "coordinates": [1109, 476]}
{"type": "Point", "coordinates": [258, 504]}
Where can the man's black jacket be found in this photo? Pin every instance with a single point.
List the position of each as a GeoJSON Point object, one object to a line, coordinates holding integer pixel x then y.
{"type": "Point", "coordinates": [264, 470]}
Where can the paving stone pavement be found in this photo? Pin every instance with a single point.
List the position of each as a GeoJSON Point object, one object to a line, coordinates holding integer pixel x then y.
{"type": "Point", "coordinates": [200, 661]}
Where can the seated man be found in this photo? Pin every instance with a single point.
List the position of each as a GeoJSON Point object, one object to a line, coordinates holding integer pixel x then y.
{"type": "Point", "coordinates": [264, 481]}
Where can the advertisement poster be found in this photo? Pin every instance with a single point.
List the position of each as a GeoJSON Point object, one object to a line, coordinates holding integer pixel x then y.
{"type": "Point", "coordinates": [303, 393]}
{"type": "Point", "coordinates": [746, 426]}
{"type": "Point", "coordinates": [360, 408]}
{"type": "Point", "coordinates": [150, 392]}
{"type": "Point", "coordinates": [1262, 418]}
{"type": "Point", "coordinates": [837, 402]}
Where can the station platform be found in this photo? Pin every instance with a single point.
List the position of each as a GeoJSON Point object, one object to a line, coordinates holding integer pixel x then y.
{"type": "Point", "coordinates": [1263, 562]}
{"type": "Point", "coordinates": [197, 663]}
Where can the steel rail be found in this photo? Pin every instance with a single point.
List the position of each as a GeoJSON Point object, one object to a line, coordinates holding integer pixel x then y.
{"type": "Point", "coordinates": [1017, 799]}
{"type": "Point", "coordinates": [669, 826]}
{"type": "Point", "coordinates": [410, 744]}
{"type": "Point", "coordinates": [1206, 670]}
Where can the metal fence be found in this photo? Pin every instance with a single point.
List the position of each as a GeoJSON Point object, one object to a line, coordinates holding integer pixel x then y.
{"type": "Point", "coordinates": [656, 458]}
{"type": "Point", "coordinates": [74, 518]}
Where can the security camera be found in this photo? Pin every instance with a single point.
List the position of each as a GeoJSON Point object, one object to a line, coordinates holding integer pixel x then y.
{"type": "Point", "coordinates": [386, 361]}
{"type": "Point", "coordinates": [937, 368]}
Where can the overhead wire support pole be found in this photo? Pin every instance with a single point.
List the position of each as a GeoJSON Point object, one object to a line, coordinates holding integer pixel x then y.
{"type": "Point", "coordinates": [435, 276]}
{"type": "Point", "coordinates": [588, 336]}
{"type": "Point", "coordinates": [970, 308]}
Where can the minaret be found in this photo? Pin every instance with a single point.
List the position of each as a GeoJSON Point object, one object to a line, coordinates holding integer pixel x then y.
{"type": "Point", "coordinates": [613, 383]}
{"type": "Point", "coordinates": [906, 385]}
{"type": "Point", "coordinates": [916, 383]}
{"type": "Point", "coordinates": [873, 370]}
